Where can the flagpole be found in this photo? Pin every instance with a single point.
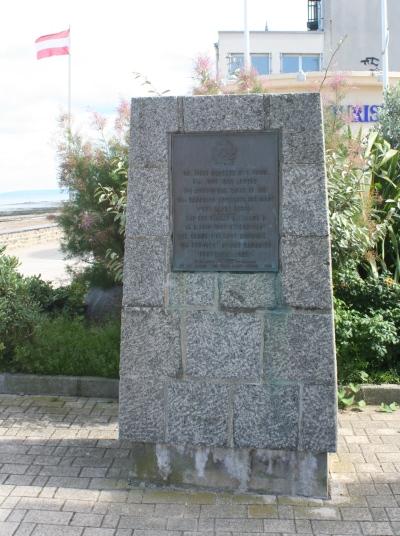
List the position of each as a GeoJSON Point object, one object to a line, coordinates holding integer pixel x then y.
{"type": "Point", "coordinates": [385, 45]}
{"type": "Point", "coordinates": [69, 85]}
{"type": "Point", "coordinates": [247, 63]}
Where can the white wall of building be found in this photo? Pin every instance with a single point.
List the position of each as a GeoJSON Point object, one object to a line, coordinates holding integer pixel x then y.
{"type": "Point", "coordinates": [360, 20]}
{"type": "Point", "coordinates": [273, 43]}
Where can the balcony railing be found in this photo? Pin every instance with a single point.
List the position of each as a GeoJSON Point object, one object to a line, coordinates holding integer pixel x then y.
{"type": "Point", "coordinates": [314, 14]}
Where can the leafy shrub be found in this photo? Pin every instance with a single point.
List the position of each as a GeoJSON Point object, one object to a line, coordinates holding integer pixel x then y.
{"type": "Point", "coordinates": [95, 173]}
{"type": "Point", "coordinates": [389, 117]}
{"type": "Point", "coordinates": [67, 300]}
{"type": "Point", "coordinates": [362, 341]}
{"type": "Point", "coordinates": [70, 346]}
{"type": "Point", "coordinates": [19, 313]}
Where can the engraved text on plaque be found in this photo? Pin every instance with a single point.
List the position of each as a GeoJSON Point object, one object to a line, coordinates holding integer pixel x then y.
{"type": "Point", "coordinates": [225, 190]}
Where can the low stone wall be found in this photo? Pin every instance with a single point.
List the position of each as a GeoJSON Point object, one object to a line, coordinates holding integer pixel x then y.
{"type": "Point", "coordinates": [37, 384]}
{"type": "Point", "coordinates": [28, 237]}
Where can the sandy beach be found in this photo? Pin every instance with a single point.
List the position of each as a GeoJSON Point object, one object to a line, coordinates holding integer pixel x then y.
{"type": "Point", "coordinates": [35, 240]}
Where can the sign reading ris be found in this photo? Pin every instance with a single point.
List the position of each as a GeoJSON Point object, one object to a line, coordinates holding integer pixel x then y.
{"type": "Point", "coordinates": [360, 113]}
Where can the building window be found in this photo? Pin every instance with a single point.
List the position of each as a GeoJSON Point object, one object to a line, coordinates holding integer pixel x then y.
{"type": "Point", "coordinates": [260, 62]}
{"type": "Point", "coordinates": [294, 63]}
{"type": "Point", "coordinates": [235, 63]}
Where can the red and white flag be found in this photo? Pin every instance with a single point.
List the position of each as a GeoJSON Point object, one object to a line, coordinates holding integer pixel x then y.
{"type": "Point", "coordinates": [52, 45]}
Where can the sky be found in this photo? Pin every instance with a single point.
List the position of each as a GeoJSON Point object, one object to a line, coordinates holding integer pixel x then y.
{"type": "Point", "coordinates": [109, 42]}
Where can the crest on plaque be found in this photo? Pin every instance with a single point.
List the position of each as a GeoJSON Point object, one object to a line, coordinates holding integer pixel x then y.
{"type": "Point", "coordinates": [224, 153]}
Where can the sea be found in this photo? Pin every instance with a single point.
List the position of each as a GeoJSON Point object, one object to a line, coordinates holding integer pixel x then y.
{"type": "Point", "coordinates": [31, 201]}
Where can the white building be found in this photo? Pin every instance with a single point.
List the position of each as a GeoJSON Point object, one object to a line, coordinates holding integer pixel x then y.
{"type": "Point", "coordinates": [342, 34]}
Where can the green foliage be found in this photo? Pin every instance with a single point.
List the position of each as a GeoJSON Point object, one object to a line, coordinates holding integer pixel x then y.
{"type": "Point", "coordinates": [68, 300]}
{"type": "Point", "coordinates": [389, 408]}
{"type": "Point", "coordinates": [347, 394]}
{"type": "Point", "coordinates": [19, 313]}
{"type": "Point", "coordinates": [114, 201]}
{"type": "Point", "coordinates": [70, 346]}
{"type": "Point", "coordinates": [389, 117]}
{"type": "Point", "coordinates": [42, 330]}
{"type": "Point", "coordinates": [94, 172]}
{"type": "Point", "coordinates": [385, 376]}
{"type": "Point", "coordinates": [364, 207]}
{"type": "Point", "coordinates": [363, 341]}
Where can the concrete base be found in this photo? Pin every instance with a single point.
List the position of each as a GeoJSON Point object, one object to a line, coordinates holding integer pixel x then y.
{"type": "Point", "coordinates": [252, 470]}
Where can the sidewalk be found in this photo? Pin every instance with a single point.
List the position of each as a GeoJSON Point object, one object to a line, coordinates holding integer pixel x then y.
{"type": "Point", "coordinates": [62, 473]}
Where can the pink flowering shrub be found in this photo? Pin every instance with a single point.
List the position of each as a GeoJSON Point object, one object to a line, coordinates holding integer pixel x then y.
{"type": "Point", "coordinates": [207, 83]}
{"type": "Point", "coordinates": [95, 173]}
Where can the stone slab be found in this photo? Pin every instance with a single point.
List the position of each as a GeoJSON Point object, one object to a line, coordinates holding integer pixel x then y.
{"type": "Point", "coordinates": [150, 345]}
{"type": "Point", "coordinates": [223, 345]}
{"type": "Point", "coordinates": [306, 273]}
{"type": "Point", "coordinates": [266, 416]}
{"type": "Point", "coordinates": [147, 206]}
{"type": "Point", "coordinates": [141, 415]}
{"type": "Point", "coordinates": [224, 112]}
{"type": "Point", "coordinates": [318, 421]}
{"type": "Point", "coordinates": [145, 266]}
{"type": "Point", "coordinates": [217, 469]}
{"type": "Point", "coordinates": [247, 291]}
{"type": "Point", "coordinates": [197, 413]}
{"type": "Point", "coordinates": [304, 200]}
{"type": "Point", "coordinates": [151, 119]}
{"type": "Point", "coordinates": [192, 289]}
{"type": "Point", "coordinates": [299, 116]}
{"type": "Point", "coordinates": [299, 347]}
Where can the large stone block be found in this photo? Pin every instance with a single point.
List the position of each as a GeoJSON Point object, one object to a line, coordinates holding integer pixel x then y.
{"type": "Point", "coordinates": [306, 273]}
{"type": "Point", "coordinates": [299, 347]}
{"type": "Point", "coordinates": [150, 345]}
{"type": "Point", "coordinates": [247, 291]}
{"type": "Point", "coordinates": [151, 120]}
{"type": "Point", "coordinates": [304, 200]}
{"type": "Point", "coordinates": [318, 422]}
{"type": "Point", "coordinates": [218, 468]}
{"type": "Point", "coordinates": [141, 409]}
{"type": "Point", "coordinates": [147, 207]}
{"type": "Point", "coordinates": [224, 112]}
{"type": "Point", "coordinates": [192, 289]}
{"type": "Point", "coordinates": [145, 267]}
{"type": "Point", "coordinates": [299, 117]}
{"type": "Point", "coordinates": [266, 416]}
{"type": "Point", "coordinates": [197, 413]}
{"type": "Point", "coordinates": [224, 345]}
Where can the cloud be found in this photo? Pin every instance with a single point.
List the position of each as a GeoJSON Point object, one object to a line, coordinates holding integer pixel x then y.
{"type": "Point", "coordinates": [110, 41]}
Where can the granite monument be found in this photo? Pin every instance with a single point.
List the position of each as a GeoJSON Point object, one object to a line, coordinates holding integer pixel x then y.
{"type": "Point", "coordinates": [228, 377]}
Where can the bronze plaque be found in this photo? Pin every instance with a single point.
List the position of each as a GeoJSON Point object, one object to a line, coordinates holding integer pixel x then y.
{"type": "Point", "coordinates": [225, 189]}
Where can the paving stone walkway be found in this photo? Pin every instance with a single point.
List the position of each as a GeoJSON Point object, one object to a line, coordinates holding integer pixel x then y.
{"type": "Point", "coordinates": [63, 473]}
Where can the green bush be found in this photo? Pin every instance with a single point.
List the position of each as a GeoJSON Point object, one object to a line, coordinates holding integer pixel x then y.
{"type": "Point", "coordinates": [389, 117]}
{"type": "Point", "coordinates": [363, 341]}
{"type": "Point", "coordinates": [70, 346]}
{"type": "Point", "coordinates": [69, 299]}
{"type": "Point", "coordinates": [19, 313]}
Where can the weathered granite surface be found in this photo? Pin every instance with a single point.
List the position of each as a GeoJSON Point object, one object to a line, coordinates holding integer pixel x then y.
{"type": "Point", "coordinates": [247, 291]}
{"type": "Point", "coordinates": [145, 271]}
{"type": "Point", "coordinates": [224, 345]}
{"type": "Point", "coordinates": [228, 379]}
{"type": "Point", "coordinates": [151, 343]}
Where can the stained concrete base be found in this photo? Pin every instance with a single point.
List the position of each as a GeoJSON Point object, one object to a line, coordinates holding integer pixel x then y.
{"type": "Point", "coordinates": [253, 470]}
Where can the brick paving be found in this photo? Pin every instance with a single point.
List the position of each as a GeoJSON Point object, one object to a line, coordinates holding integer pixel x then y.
{"type": "Point", "coordinates": [63, 473]}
